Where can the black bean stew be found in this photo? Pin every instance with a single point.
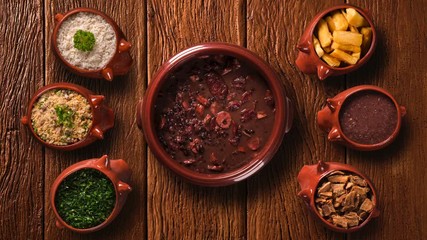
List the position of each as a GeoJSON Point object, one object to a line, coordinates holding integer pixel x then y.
{"type": "Point", "coordinates": [214, 114]}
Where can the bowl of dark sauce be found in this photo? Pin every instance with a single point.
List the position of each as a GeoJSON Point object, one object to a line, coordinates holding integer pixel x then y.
{"type": "Point", "coordinates": [364, 118]}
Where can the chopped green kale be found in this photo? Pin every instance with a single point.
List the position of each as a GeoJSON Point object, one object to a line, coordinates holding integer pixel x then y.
{"type": "Point", "coordinates": [85, 199]}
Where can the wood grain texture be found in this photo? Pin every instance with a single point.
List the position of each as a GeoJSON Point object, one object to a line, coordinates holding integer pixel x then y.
{"type": "Point", "coordinates": [176, 209]}
{"type": "Point", "coordinates": [162, 205]}
{"type": "Point", "coordinates": [21, 159]}
{"type": "Point", "coordinates": [124, 141]}
{"type": "Point", "coordinates": [274, 210]}
{"type": "Point", "coordinates": [399, 171]}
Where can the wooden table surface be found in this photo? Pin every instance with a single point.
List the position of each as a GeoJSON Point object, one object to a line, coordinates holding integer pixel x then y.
{"type": "Point", "coordinates": [162, 205]}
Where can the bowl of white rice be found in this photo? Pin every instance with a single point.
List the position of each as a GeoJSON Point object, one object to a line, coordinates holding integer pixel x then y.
{"type": "Point", "coordinates": [66, 116]}
{"type": "Point", "coordinates": [91, 44]}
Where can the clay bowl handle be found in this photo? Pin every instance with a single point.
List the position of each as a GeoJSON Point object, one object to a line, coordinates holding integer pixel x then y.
{"type": "Point", "coordinates": [124, 45]}
{"type": "Point", "coordinates": [325, 116]}
{"type": "Point", "coordinates": [107, 74]}
{"type": "Point", "coordinates": [24, 120]}
{"type": "Point", "coordinates": [304, 47]}
{"type": "Point", "coordinates": [328, 121]}
{"type": "Point", "coordinates": [59, 17]}
{"type": "Point", "coordinates": [106, 118]}
{"type": "Point", "coordinates": [96, 99]}
{"type": "Point", "coordinates": [324, 71]}
{"type": "Point", "coordinates": [121, 168]}
{"type": "Point", "coordinates": [103, 162]}
{"type": "Point", "coordinates": [322, 167]}
{"type": "Point", "coordinates": [334, 135]}
{"type": "Point", "coordinates": [123, 188]}
{"type": "Point", "coordinates": [308, 178]}
{"type": "Point", "coordinates": [97, 132]}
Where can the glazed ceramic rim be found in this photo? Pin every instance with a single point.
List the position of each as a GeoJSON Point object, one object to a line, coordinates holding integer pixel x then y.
{"type": "Point", "coordinates": [264, 156]}
{"type": "Point", "coordinates": [68, 14]}
{"type": "Point", "coordinates": [55, 187]}
{"type": "Point", "coordinates": [53, 86]}
{"type": "Point", "coordinates": [367, 55]}
{"type": "Point", "coordinates": [341, 167]}
{"type": "Point", "coordinates": [392, 136]}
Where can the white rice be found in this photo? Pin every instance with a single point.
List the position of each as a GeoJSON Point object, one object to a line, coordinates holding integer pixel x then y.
{"type": "Point", "coordinates": [46, 123]}
{"type": "Point", "coordinates": [105, 41]}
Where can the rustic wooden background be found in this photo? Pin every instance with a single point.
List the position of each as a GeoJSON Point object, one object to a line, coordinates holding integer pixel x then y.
{"type": "Point", "coordinates": [162, 206]}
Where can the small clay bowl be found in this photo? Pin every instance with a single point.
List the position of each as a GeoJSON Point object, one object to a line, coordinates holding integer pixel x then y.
{"type": "Point", "coordinates": [102, 116]}
{"type": "Point", "coordinates": [308, 61]}
{"type": "Point", "coordinates": [283, 115]}
{"type": "Point", "coordinates": [309, 178]}
{"type": "Point", "coordinates": [328, 118]}
{"type": "Point", "coordinates": [116, 170]}
{"type": "Point", "coordinates": [120, 62]}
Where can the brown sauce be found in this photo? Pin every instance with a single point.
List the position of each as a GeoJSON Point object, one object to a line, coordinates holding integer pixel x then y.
{"type": "Point", "coordinates": [368, 117]}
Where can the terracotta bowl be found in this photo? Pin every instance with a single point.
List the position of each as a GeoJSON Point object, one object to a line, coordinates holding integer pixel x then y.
{"type": "Point", "coordinates": [116, 170]}
{"type": "Point", "coordinates": [309, 178]}
{"type": "Point", "coordinates": [283, 115]}
{"type": "Point", "coordinates": [102, 116]}
{"type": "Point", "coordinates": [328, 119]}
{"type": "Point", "coordinates": [119, 64]}
{"type": "Point", "coordinates": [308, 61]}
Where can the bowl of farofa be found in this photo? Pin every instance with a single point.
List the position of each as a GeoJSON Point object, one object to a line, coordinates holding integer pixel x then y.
{"type": "Point", "coordinates": [91, 44]}
{"type": "Point", "coordinates": [66, 116]}
{"type": "Point", "coordinates": [339, 195]}
{"type": "Point", "coordinates": [338, 40]}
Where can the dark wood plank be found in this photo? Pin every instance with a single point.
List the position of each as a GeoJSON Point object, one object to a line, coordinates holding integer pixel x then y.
{"type": "Point", "coordinates": [274, 210]}
{"type": "Point", "coordinates": [399, 171]}
{"type": "Point", "coordinates": [21, 158]}
{"type": "Point", "coordinates": [125, 140]}
{"type": "Point", "coordinates": [176, 209]}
